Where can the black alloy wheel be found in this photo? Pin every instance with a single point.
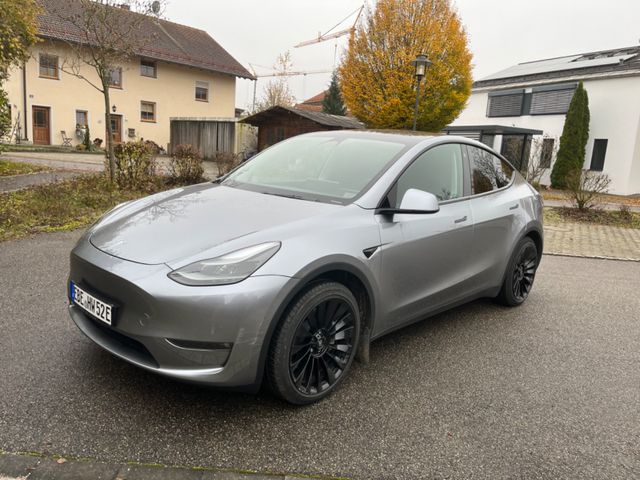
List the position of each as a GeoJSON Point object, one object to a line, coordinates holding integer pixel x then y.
{"type": "Point", "coordinates": [314, 344]}
{"type": "Point", "coordinates": [520, 274]}
{"type": "Point", "coordinates": [322, 346]}
{"type": "Point", "coordinates": [523, 273]}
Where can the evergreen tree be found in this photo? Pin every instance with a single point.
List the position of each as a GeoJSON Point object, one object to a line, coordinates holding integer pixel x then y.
{"type": "Point", "coordinates": [573, 142]}
{"type": "Point", "coordinates": [86, 141]}
{"type": "Point", "coordinates": [332, 102]}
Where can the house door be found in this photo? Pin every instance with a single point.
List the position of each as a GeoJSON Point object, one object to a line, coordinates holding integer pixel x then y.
{"type": "Point", "coordinates": [116, 128]}
{"type": "Point", "coordinates": [41, 127]}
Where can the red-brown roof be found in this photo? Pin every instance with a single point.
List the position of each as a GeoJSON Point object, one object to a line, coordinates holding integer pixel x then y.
{"type": "Point", "coordinates": [314, 103]}
{"type": "Point", "coordinates": [172, 42]}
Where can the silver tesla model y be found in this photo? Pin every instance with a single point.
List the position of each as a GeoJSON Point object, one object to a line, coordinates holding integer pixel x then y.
{"type": "Point", "coordinates": [286, 268]}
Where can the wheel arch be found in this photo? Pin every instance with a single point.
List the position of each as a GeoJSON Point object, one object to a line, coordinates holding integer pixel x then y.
{"type": "Point", "coordinates": [340, 270]}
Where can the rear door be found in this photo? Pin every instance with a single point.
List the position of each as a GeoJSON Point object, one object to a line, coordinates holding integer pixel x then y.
{"type": "Point", "coordinates": [424, 257]}
{"type": "Point", "coordinates": [496, 210]}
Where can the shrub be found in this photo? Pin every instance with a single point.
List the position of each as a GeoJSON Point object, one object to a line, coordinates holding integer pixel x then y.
{"type": "Point", "coordinates": [625, 213]}
{"type": "Point", "coordinates": [86, 141]}
{"type": "Point", "coordinates": [81, 147]}
{"type": "Point", "coordinates": [584, 188]}
{"type": "Point", "coordinates": [573, 141]}
{"type": "Point", "coordinates": [225, 161]}
{"type": "Point", "coordinates": [186, 165]}
{"type": "Point", "coordinates": [135, 165]}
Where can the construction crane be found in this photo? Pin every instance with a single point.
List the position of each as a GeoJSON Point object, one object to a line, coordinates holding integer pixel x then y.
{"type": "Point", "coordinates": [278, 74]}
{"type": "Point", "coordinates": [323, 37]}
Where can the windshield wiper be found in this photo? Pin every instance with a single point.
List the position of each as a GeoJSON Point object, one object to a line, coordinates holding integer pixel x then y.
{"type": "Point", "coordinates": [285, 195]}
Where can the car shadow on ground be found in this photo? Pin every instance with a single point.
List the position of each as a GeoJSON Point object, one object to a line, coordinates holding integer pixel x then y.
{"type": "Point", "coordinates": [397, 347]}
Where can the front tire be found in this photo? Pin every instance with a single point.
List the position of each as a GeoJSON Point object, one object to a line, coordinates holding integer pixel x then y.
{"type": "Point", "coordinates": [314, 344]}
{"type": "Point", "coordinates": [520, 274]}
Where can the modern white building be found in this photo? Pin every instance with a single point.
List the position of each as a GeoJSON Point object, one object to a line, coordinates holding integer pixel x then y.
{"type": "Point", "coordinates": [528, 101]}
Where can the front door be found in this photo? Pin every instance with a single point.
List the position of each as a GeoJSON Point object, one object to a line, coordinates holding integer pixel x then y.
{"type": "Point", "coordinates": [116, 128]}
{"type": "Point", "coordinates": [425, 256]}
{"type": "Point", "coordinates": [41, 127]}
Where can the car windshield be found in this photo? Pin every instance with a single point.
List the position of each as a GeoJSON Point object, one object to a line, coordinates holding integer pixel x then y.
{"type": "Point", "coordinates": [322, 168]}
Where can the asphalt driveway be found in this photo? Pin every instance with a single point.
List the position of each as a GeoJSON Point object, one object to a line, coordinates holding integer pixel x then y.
{"type": "Point", "coordinates": [548, 390]}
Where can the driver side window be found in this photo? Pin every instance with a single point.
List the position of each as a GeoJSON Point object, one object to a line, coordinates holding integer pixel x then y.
{"type": "Point", "coordinates": [439, 170]}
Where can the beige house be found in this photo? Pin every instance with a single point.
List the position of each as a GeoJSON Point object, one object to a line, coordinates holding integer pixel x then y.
{"type": "Point", "coordinates": [184, 74]}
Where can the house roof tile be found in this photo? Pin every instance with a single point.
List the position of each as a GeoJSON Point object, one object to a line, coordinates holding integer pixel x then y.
{"type": "Point", "coordinates": [172, 42]}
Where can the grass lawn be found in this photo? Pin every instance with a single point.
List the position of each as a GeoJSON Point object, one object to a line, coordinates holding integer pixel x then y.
{"type": "Point", "coordinates": [560, 215]}
{"type": "Point", "coordinates": [64, 205]}
{"type": "Point", "coordinates": [8, 168]}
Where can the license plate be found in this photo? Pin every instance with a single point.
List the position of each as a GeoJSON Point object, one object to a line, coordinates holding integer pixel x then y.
{"type": "Point", "coordinates": [90, 304]}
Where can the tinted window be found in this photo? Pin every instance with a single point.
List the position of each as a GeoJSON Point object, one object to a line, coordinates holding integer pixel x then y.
{"type": "Point", "coordinates": [599, 152]}
{"type": "Point", "coordinates": [317, 166]}
{"type": "Point", "coordinates": [488, 172]}
{"type": "Point", "coordinates": [438, 171]}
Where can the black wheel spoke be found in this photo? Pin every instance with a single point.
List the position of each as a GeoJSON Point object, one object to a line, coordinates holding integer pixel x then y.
{"type": "Point", "coordinates": [322, 346]}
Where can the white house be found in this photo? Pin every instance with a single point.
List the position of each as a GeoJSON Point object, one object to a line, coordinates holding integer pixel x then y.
{"type": "Point", "coordinates": [509, 108]}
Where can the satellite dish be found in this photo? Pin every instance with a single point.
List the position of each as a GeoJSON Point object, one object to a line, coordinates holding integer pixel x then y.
{"type": "Point", "coordinates": [155, 7]}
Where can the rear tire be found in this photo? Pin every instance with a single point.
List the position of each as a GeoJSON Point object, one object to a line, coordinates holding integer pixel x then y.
{"type": "Point", "coordinates": [314, 344]}
{"type": "Point", "coordinates": [520, 274]}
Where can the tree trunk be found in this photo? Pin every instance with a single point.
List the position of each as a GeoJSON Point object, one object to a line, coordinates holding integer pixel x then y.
{"type": "Point", "coordinates": [111, 159]}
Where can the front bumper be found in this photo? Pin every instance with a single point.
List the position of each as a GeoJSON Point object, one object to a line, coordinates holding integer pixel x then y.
{"type": "Point", "coordinates": [210, 335]}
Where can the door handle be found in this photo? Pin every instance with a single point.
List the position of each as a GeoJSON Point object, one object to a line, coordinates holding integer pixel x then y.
{"type": "Point", "coordinates": [460, 220]}
{"type": "Point", "coordinates": [513, 207]}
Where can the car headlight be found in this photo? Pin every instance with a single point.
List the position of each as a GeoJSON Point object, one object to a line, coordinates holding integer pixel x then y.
{"type": "Point", "coordinates": [229, 268]}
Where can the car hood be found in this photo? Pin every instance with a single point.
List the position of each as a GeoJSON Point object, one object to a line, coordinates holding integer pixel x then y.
{"type": "Point", "coordinates": [181, 223]}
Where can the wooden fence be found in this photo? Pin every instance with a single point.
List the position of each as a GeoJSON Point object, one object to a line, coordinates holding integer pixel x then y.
{"type": "Point", "coordinates": [208, 136]}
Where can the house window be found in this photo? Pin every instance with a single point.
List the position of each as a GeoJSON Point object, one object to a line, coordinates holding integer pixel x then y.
{"type": "Point", "coordinates": [115, 78]}
{"type": "Point", "coordinates": [147, 111]}
{"type": "Point", "coordinates": [148, 68]}
{"type": "Point", "coordinates": [551, 100]}
{"type": "Point", "coordinates": [505, 103]}
{"type": "Point", "coordinates": [48, 66]}
{"type": "Point", "coordinates": [599, 152]}
{"type": "Point", "coordinates": [546, 152]}
{"type": "Point", "coordinates": [82, 118]}
{"type": "Point", "coordinates": [202, 91]}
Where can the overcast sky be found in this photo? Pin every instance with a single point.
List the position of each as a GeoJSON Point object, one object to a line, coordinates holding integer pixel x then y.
{"type": "Point", "coordinates": [501, 32]}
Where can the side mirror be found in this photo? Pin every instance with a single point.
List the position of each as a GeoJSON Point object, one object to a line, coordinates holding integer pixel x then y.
{"type": "Point", "coordinates": [414, 201]}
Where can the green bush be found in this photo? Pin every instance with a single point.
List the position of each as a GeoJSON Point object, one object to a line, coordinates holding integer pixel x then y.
{"type": "Point", "coordinates": [86, 141]}
{"type": "Point", "coordinates": [135, 165]}
{"type": "Point", "coordinates": [186, 165]}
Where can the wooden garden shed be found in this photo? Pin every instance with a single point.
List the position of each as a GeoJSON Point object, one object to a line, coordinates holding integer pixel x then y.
{"type": "Point", "coordinates": [278, 123]}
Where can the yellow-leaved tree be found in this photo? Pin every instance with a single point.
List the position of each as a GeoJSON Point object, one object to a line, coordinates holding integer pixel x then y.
{"type": "Point", "coordinates": [377, 77]}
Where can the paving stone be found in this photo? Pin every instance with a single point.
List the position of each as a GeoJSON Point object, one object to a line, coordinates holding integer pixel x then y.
{"type": "Point", "coordinates": [590, 240]}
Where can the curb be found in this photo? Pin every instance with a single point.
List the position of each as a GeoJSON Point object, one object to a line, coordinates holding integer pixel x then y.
{"type": "Point", "coordinates": [38, 466]}
{"type": "Point", "coordinates": [594, 257]}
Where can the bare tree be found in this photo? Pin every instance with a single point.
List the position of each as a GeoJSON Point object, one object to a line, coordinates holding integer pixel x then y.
{"type": "Point", "coordinates": [277, 91]}
{"type": "Point", "coordinates": [540, 159]}
{"type": "Point", "coordinates": [104, 34]}
{"type": "Point", "coordinates": [584, 188]}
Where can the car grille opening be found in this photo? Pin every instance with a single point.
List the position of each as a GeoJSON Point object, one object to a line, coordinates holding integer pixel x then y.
{"type": "Point", "coordinates": [130, 347]}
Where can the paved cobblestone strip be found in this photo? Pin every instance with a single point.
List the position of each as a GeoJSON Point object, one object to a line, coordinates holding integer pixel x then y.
{"type": "Point", "coordinates": [596, 241]}
{"type": "Point", "coordinates": [36, 467]}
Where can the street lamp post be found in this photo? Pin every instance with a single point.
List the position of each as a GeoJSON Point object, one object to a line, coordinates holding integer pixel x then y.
{"type": "Point", "coordinates": [421, 63]}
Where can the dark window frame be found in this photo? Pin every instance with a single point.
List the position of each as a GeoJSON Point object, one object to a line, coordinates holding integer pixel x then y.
{"type": "Point", "coordinates": [200, 87]}
{"type": "Point", "coordinates": [142, 112]}
{"type": "Point", "coordinates": [148, 64]}
{"type": "Point", "coordinates": [603, 143]}
{"type": "Point", "coordinates": [50, 65]}
{"type": "Point", "coordinates": [86, 118]}
{"type": "Point", "coordinates": [498, 111]}
{"type": "Point", "coordinates": [111, 82]}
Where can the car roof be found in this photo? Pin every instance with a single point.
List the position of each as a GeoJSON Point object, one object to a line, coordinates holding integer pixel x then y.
{"type": "Point", "coordinates": [406, 137]}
